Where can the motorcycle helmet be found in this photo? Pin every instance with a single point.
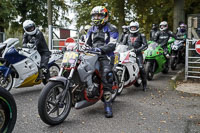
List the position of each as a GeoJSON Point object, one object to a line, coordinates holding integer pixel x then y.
{"type": "Point", "coordinates": [134, 27]}
{"type": "Point", "coordinates": [182, 27]}
{"type": "Point", "coordinates": [154, 26]}
{"type": "Point", "coordinates": [29, 27]}
{"type": "Point", "coordinates": [125, 28]}
{"type": "Point", "coordinates": [163, 26]}
{"type": "Point", "coordinates": [99, 15]}
{"type": "Point", "coordinates": [86, 28]}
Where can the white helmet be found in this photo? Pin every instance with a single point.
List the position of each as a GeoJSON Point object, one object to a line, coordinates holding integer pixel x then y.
{"type": "Point", "coordinates": [87, 27]}
{"type": "Point", "coordinates": [134, 24]}
{"type": "Point", "coordinates": [163, 25]}
{"type": "Point", "coordinates": [29, 27]}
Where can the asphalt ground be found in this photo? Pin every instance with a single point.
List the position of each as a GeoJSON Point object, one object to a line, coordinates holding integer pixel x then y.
{"type": "Point", "coordinates": [159, 110]}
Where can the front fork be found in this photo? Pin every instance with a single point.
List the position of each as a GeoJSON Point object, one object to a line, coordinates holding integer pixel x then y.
{"type": "Point", "coordinates": [64, 93]}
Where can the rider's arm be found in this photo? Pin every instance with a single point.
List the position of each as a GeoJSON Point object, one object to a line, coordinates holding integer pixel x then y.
{"type": "Point", "coordinates": [88, 39]}
{"type": "Point", "coordinates": [25, 40]}
{"type": "Point", "coordinates": [110, 47]}
{"type": "Point", "coordinates": [171, 34]}
{"type": "Point", "coordinates": [144, 43]}
{"type": "Point", "coordinates": [124, 42]}
{"type": "Point", "coordinates": [155, 39]}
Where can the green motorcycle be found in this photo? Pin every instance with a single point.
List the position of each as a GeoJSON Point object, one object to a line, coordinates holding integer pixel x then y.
{"type": "Point", "coordinates": [155, 59]}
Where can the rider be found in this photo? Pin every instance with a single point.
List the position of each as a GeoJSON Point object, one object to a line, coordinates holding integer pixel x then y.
{"type": "Point", "coordinates": [85, 30]}
{"type": "Point", "coordinates": [125, 31]}
{"type": "Point", "coordinates": [162, 37]}
{"type": "Point", "coordinates": [35, 37]}
{"type": "Point", "coordinates": [137, 41]}
{"type": "Point", "coordinates": [182, 31]}
{"type": "Point", "coordinates": [102, 37]}
{"type": "Point", "coordinates": [153, 31]}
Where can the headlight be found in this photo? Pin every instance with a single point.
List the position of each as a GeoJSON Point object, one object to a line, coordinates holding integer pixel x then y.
{"type": "Point", "coordinates": [175, 47]}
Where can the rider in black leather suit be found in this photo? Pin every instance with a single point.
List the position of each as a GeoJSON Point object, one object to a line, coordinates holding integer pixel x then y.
{"type": "Point", "coordinates": [34, 36]}
{"type": "Point", "coordinates": [102, 37]}
{"type": "Point", "coordinates": [153, 31]}
{"type": "Point", "coordinates": [182, 31]}
{"type": "Point", "coordinates": [162, 37]}
{"type": "Point", "coordinates": [137, 41]}
{"type": "Point", "coordinates": [125, 31]}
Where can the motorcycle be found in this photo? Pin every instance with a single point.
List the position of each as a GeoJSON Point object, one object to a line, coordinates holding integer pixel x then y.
{"type": "Point", "coordinates": [127, 68]}
{"type": "Point", "coordinates": [79, 70]}
{"type": "Point", "coordinates": [8, 111]}
{"type": "Point", "coordinates": [178, 53]}
{"type": "Point", "coordinates": [20, 66]}
{"type": "Point", "coordinates": [155, 59]}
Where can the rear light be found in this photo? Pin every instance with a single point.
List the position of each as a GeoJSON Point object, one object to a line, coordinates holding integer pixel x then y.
{"type": "Point", "coordinates": [157, 52]}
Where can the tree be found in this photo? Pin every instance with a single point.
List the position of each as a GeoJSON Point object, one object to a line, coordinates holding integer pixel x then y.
{"type": "Point", "coordinates": [6, 14]}
{"type": "Point", "coordinates": [115, 9]}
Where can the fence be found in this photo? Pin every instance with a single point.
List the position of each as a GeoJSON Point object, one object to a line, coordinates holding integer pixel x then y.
{"type": "Point", "coordinates": [192, 60]}
{"type": "Point", "coordinates": [59, 36]}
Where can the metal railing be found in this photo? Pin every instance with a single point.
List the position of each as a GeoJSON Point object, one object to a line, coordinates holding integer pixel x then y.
{"type": "Point", "coordinates": [55, 43]}
{"type": "Point", "coordinates": [192, 60]}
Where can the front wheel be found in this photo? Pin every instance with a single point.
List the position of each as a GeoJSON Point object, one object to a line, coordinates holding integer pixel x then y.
{"type": "Point", "coordinates": [149, 70]}
{"type": "Point", "coordinates": [51, 109]}
{"type": "Point", "coordinates": [6, 83]}
{"type": "Point", "coordinates": [8, 111]}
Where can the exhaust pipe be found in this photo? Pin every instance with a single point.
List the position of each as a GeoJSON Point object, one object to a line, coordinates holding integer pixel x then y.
{"type": "Point", "coordinates": [83, 104]}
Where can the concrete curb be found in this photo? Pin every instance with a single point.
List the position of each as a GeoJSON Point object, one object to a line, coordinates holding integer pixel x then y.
{"type": "Point", "coordinates": [173, 81]}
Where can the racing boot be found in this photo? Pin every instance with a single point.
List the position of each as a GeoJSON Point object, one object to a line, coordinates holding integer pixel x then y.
{"type": "Point", "coordinates": [144, 84]}
{"type": "Point", "coordinates": [46, 74]}
{"type": "Point", "coordinates": [144, 79]}
{"type": "Point", "coordinates": [108, 104]}
{"type": "Point", "coordinates": [39, 75]}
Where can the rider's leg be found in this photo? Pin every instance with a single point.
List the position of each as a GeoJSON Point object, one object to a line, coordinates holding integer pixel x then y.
{"type": "Point", "coordinates": [44, 65]}
{"type": "Point", "coordinates": [107, 79]}
{"type": "Point", "coordinates": [142, 71]}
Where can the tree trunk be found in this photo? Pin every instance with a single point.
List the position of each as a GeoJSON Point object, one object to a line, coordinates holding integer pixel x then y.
{"type": "Point", "coordinates": [121, 4]}
{"type": "Point", "coordinates": [179, 14]}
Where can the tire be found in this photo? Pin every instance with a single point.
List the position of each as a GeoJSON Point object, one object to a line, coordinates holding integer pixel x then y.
{"type": "Point", "coordinates": [8, 111]}
{"type": "Point", "coordinates": [53, 70]}
{"type": "Point", "coordinates": [165, 70]}
{"type": "Point", "coordinates": [148, 69]}
{"type": "Point", "coordinates": [174, 63]}
{"type": "Point", "coordinates": [8, 82]}
{"type": "Point", "coordinates": [48, 103]}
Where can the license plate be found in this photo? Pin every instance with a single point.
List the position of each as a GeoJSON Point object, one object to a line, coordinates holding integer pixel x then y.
{"type": "Point", "coordinates": [70, 57]}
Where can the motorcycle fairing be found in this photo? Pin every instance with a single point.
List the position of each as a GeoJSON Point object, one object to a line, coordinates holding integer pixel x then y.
{"type": "Point", "coordinates": [87, 66]}
{"type": "Point", "coordinates": [12, 56]}
{"type": "Point", "coordinates": [26, 69]}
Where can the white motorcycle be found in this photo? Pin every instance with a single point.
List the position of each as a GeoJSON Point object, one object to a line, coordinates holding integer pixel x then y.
{"type": "Point", "coordinates": [127, 68]}
{"type": "Point", "coordinates": [20, 67]}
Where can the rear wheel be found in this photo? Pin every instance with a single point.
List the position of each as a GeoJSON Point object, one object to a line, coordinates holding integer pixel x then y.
{"type": "Point", "coordinates": [8, 111]}
{"type": "Point", "coordinates": [149, 70]}
{"type": "Point", "coordinates": [51, 110]}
